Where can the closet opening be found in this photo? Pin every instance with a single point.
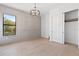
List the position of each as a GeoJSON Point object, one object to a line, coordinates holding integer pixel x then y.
{"type": "Point", "coordinates": [71, 27]}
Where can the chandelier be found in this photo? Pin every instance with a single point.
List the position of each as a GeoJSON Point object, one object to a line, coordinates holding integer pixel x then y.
{"type": "Point", "coordinates": [35, 11]}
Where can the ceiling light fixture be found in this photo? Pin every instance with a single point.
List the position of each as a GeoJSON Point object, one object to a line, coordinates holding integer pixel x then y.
{"type": "Point", "coordinates": [35, 11]}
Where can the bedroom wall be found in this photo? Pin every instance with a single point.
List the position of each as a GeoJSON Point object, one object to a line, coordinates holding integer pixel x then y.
{"type": "Point", "coordinates": [64, 7]}
{"type": "Point", "coordinates": [27, 27]}
{"type": "Point", "coordinates": [45, 29]}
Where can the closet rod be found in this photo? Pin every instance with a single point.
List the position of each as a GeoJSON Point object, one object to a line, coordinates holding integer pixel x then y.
{"type": "Point", "coordinates": [71, 20]}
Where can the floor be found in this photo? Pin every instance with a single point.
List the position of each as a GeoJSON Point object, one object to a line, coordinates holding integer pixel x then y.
{"type": "Point", "coordinates": [38, 47]}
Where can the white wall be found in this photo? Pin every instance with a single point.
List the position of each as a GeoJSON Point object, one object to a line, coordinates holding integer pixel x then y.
{"type": "Point", "coordinates": [27, 27]}
{"type": "Point", "coordinates": [45, 29]}
{"type": "Point", "coordinates": [57, 26]}
{"type": "Point", "coordinates": [65, 7]}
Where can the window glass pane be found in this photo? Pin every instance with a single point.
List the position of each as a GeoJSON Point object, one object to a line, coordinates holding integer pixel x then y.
{"type": "Point", "coordinates": [9, 25]}
{"type": "Point", "coordinates": [9, 30]}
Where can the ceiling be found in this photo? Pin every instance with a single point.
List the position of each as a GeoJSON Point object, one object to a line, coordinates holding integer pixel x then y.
{"type": "Point", "coordinates": [43, 7]}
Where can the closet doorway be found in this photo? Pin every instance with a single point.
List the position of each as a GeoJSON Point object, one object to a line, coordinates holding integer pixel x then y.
{"type": "Point", "coordinates": [71, 27]}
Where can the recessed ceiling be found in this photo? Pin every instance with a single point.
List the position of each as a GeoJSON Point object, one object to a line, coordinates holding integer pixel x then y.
{"type": "Point", "coordinates": [43, 7]}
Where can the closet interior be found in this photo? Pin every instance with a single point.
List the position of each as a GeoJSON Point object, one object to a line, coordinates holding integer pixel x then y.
{"type": "Point", "coordinates": [71, 27]}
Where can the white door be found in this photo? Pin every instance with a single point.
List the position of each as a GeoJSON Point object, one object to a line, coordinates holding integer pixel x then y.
{"type": "Point", "coordinates": [71, 32]}
{"type": "Point", "coordinates": [57, 26]}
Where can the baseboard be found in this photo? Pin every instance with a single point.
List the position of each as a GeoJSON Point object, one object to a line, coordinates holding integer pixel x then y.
{"type": "Point", "coordinates": [17, 41]}
{"type": "Point", "coordinates": [71, 44]}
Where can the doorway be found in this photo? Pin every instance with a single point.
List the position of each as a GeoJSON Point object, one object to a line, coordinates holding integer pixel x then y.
{"type": "Point", "coordinates": [71, 27]}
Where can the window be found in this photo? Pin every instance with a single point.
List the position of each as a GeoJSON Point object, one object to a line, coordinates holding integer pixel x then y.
{"type": "Point", "coordinates": [9, 25]}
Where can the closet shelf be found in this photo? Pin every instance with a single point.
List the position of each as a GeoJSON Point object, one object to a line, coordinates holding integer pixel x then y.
{"type": "Point", "coordinates": [71, 20]}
